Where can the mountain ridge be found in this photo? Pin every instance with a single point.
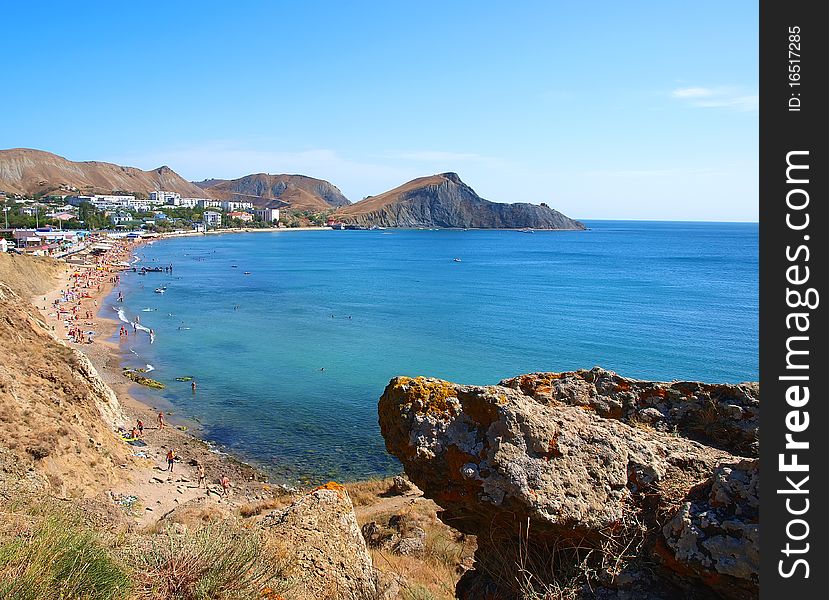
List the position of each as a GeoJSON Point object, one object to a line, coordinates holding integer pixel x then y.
{"type": "Point", "coordinates": [28, 171]}
{"type": "Point", "coordinates": [292, 191]}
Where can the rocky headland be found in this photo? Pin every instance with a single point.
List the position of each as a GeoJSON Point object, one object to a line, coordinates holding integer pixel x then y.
{"type": "Point", "coordinates": [446, 201]}
{"type": "Point", "coordinates": [587, 484]}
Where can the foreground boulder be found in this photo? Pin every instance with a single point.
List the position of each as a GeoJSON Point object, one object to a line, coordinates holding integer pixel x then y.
{"type": "Point", "coordinates": [328, 555]}
{"type": "Point", "coordinates": [555, 490]}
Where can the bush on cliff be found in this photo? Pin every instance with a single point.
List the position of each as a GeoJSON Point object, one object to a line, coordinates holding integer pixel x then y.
{"type": "Point", "coordinates": [57, 559]}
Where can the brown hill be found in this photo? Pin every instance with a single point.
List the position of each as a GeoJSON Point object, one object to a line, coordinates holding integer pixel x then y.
{"type": "Point", "coordinates": [446, 201]}
{"type": "Point", "coordinates": [27, 171]}
{"type": "Point", "coordinates": [279, 191]}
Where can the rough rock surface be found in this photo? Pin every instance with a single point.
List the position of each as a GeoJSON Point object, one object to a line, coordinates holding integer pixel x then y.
{"type": "Point", "coordinates": [573, 464]}
{"type": "Point", "coordinates": [446, 201]}
{"type": "Point", "coordinates": [725, 416]}
{"type": "Point", "coordinates": [715, 533]}
{"type": "Point", "coordinates": [329, 554]}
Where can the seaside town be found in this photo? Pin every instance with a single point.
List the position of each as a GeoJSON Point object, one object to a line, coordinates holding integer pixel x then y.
{"type": "Point", "coordinates": [61, 224]}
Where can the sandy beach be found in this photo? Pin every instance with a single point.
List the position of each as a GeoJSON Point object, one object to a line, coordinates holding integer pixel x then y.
{"type": "Point", "coordinates": [76, 313]}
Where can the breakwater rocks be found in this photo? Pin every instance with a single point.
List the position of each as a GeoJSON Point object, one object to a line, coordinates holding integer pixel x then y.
{"type": "Point", "coordinates": [588, 481]}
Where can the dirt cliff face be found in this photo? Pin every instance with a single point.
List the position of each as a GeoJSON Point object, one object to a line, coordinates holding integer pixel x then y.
{"type": "Point", "coordinates": [446, 201]}
{"type": "Point", "coordinates": [574, 476]}
{"type": "Point", "coordinates": [56, 414]}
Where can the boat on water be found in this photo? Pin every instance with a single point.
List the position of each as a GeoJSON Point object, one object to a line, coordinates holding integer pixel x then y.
{"type": "Point", "coordinates": [247, 272]}
{"type": "Point", "coordinates": [526, 230]}
{"type": "Point", "coordinates": [160, 290]}
{"type": "Point", "coordinates": [456, 259]}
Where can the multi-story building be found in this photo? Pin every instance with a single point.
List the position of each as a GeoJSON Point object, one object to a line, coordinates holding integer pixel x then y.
{"type": "Point", "coordinates": [162, 197]}
{"type": "Point", "coordinates": [229, 205]}
{"type": "Point", "coordinates": [189, 202]}
{"type": "Point", "coordinates": [242, 216]}
{"type": "Point", "coordinates": [208, 203]}
{"type": "Point", "coordinates": [269, 215]}
{"type": "Point", "coordinates": [212, 218]}
{"type": "Point", "coordinates": [110, 202]}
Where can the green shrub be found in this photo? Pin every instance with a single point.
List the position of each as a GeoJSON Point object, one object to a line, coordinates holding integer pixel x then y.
{"type": "Point", "coordinates": [59, 559]}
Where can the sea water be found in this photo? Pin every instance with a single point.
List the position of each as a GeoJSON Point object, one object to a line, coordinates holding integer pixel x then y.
{"type": "Point", "coordinates": [292, 336]}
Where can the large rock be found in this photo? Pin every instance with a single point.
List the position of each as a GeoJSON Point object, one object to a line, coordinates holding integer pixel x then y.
{"type": "Point", "coordinates": [532, 473]}
{"type": "Point", "coordinates": [329, 554]}
{"type": "Point", "coordinates": [725, 416]}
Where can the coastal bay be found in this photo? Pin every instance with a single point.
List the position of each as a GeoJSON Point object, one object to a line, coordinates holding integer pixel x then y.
{"type": "Point", "coordinates": [650, 300]}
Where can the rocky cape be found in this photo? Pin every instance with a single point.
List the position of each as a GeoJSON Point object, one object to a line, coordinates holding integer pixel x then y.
{"type": "Point", "coordinates": [446, 201]}
{"type": "Point", "coordinates": [294, 192]}
{"type": "Point", "coordinates": [26, 171]}
{"type": "Point", "coordinates": [589, 482]}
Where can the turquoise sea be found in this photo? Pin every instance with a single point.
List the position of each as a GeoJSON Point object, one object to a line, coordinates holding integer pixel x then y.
{"type": "Point", "coordinates": [291, 358]}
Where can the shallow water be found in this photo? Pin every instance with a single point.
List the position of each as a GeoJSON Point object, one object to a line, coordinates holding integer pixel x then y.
{"type": "Point", "coordinates": [291, 359]}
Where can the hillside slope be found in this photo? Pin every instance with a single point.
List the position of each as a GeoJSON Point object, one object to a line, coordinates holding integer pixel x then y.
{"type": "Point", "coordinates": [28, 171]}
{"type": "Point", "coordinates": [446, 201]}
{"type": "Point", "coordinates": [296, 192]}
{"type": "Point", "coordinates": [55, 411]}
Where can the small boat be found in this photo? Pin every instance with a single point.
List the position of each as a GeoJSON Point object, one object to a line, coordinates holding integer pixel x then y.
{"type": "Point", "coordinates": [160, 290]}
{"type": "Point", "coordinates": [247, 272]}
{"type": "Point", "coordinates": [526, 230]}
{"type": "Point", "coordinates": [456, 259]}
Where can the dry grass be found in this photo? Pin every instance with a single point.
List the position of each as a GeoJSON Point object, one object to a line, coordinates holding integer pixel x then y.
{"type": "Point", "coordinates": [213, 562]}
{"type": "Point", "coordinates": [253, 509]}
{"type": "Point", "coordinates": [367, 493]}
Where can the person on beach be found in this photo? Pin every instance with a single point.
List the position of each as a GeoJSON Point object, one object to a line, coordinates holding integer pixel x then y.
{"type": "Point", "coordinates": [160, 420]}
{"type": "Point", "coordinates": [225, 481]}
{"type": "Point", "coordinates": [140, 427]}
{"type": "Point", "coordinates": [171, 459]}
{"type": "Point", "coordinates": [202, 475]}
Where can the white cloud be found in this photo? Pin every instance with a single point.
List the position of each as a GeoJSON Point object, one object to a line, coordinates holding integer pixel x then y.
{"type": "Point", "coordinates": [692, 92]}
{"type": "Point", "coordinates": [719, 97]}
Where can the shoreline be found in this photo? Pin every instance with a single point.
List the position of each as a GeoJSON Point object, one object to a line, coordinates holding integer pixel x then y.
{"type": "Point", "coordinates": [147, 484]}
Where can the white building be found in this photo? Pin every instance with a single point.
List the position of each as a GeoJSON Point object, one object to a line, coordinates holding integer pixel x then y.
{"type": "Point", "coordinates": [162, 197]}
{"type": "Point", "coordinates": [233, 205]}
{"type": "Point", "coordinates": [207, 203]}
{"type": "Point", "coordinates": [119, 217]}
{"type": "Point", "coordinates": [189, 202]}
{"type": "Point", "coordinates": [226, 205]}
{"type": "Point", "coordinates": [4, 245]}
{"type": "Point", "coordinates": [269, 215]}
{"type": "Point", "coordinates": [212, 218]}
{"type": "Point", "coordinates": [110, 202]}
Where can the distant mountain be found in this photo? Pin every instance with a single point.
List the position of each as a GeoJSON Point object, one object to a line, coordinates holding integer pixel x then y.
{"type": "Point", "coordinates": [278, 191]}
{"type": "Point", "coordinates": [206, 183]}
{"type": "Point", "coordinates": [446, 201]}
{"type": "Point", "coordinates": [27, 171]}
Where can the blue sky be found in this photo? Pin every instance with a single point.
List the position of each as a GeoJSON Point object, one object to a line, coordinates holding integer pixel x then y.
{"type": "Point", "coordinates": [638, 110]}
